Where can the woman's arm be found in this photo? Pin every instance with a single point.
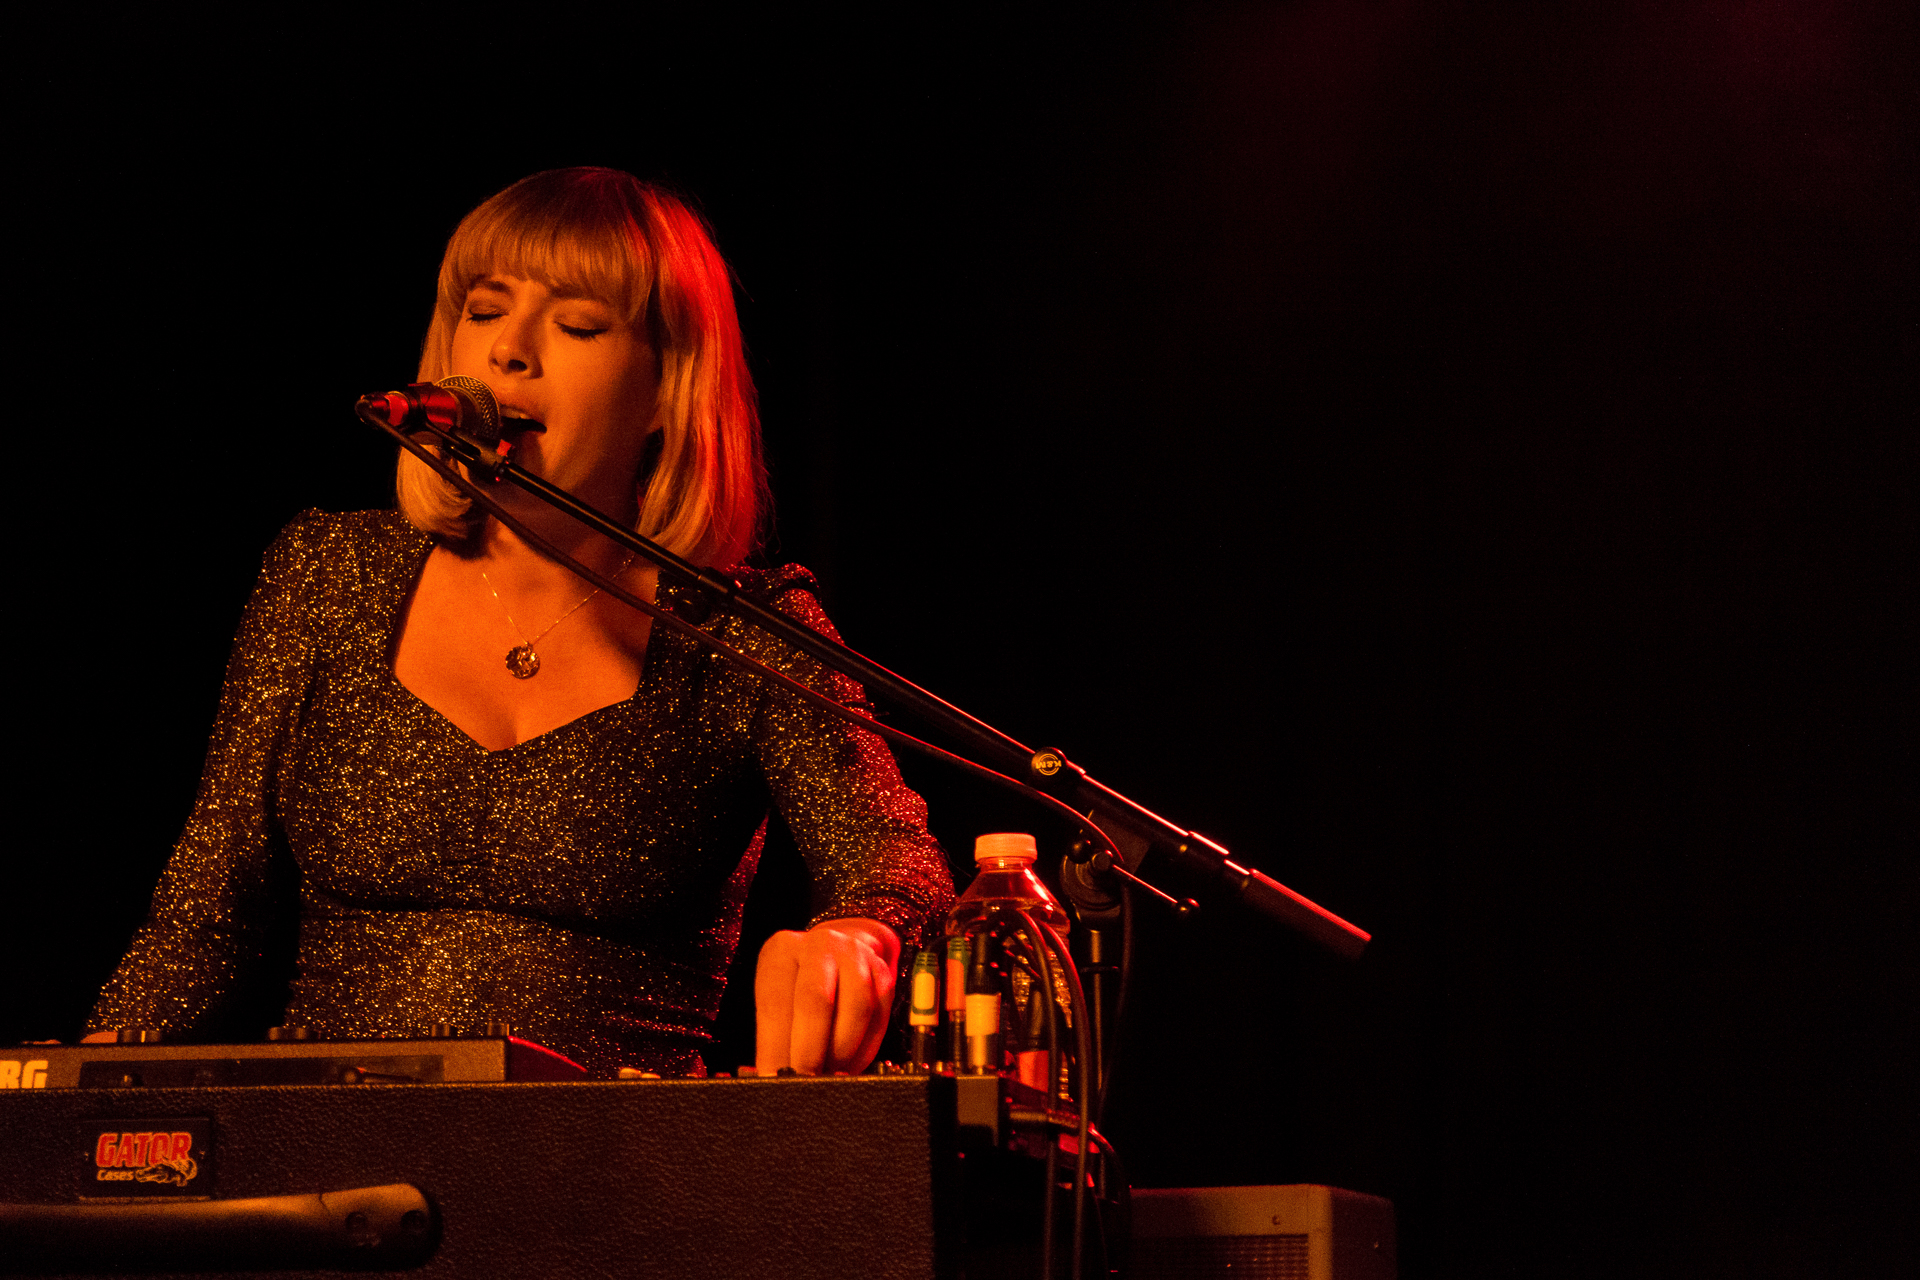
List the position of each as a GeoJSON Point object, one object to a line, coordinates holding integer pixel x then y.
{"type": "Point", "coordinates": [823, 997]}
{"type": "Point", "coordinates": [228, 886]}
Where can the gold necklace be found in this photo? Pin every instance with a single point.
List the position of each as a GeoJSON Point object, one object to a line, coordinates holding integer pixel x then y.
{"type": "Point", "coordinates": [522, 661]}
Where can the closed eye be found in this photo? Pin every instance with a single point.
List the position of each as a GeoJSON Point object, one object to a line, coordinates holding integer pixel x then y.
{"type": "Point", "coordinates": [576, 331]}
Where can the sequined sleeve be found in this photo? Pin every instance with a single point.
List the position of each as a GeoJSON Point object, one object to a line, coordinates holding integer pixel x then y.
{"type": "Point", "coordinates": [608, 857]}
{"type": "Point", "coordinates": [226, 898]}
{"type": "Point", "coordinates": [861, 829]}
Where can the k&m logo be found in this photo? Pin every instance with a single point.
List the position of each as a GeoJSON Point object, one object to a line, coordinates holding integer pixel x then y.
{"type": "Point", "coordinates": [15, 1074]}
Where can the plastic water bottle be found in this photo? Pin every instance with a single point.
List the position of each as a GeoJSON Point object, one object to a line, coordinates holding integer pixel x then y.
{"type": "Point", "coordinates": [976, 929]}
{"type": "Point", "coordinates": [1005, 879]}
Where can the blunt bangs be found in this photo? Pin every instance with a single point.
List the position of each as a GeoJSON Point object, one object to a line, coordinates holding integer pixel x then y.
{"type": "Point", "coordinates": [565, 230]}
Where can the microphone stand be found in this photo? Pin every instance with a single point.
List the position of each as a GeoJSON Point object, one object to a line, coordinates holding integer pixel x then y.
{"type": "Point", "coordinates": [1099, 863]}
{"type": "Point", "coordinates": [1131, 833]}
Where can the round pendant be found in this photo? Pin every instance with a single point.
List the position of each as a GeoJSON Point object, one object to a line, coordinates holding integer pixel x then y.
{"type": "Point", "coordinates": [523, 661]}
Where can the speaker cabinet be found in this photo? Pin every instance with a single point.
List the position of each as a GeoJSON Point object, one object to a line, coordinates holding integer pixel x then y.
{"type": "Point", "coordinates": [1300, 1232]}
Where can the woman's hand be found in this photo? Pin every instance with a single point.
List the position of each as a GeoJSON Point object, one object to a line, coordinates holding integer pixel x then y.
{"type": "Point", "coordinates": [823, 997]}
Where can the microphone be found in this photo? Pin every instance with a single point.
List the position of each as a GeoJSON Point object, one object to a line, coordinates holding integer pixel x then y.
{"type": "Point", "coordinates": [456, 404]}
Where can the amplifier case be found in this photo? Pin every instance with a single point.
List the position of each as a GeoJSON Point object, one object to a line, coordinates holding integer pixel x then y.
{"type": "Point", "coordinates": [735, 1178]}
{"type": "Point", "coordinates": [1297, 1232]}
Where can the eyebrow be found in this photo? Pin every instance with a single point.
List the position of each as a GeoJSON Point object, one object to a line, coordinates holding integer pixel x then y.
{"type": "Point", "coordinates": [561, 292]}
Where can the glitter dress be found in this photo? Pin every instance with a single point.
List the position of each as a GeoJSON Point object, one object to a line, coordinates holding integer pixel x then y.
{"type": "Point", "coordinates": [585, 885]}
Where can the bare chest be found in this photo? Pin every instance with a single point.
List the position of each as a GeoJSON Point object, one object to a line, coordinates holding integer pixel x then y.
{"type": "Point", "coordinates": [501, 678]}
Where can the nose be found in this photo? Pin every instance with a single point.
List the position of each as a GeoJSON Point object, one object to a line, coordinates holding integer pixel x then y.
{"type": "Point", "coordinates": [515, 348]}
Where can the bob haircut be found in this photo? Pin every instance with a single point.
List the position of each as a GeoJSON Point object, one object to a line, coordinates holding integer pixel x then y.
{"type": "Point", "coordinates": [703, 489]}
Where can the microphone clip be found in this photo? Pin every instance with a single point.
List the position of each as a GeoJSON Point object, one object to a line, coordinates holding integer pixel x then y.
{"type": "Point", "coordinates": [467, 422]}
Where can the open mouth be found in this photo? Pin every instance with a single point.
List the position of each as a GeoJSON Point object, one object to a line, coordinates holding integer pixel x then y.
{"type": "Point", "coordinates": [517, 420]}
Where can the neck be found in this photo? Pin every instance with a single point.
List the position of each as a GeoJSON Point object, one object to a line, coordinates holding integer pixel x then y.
{"type": "Point", "coordinates": [514, 564]}
{"type": "Point", "coordinates": [617, 502]}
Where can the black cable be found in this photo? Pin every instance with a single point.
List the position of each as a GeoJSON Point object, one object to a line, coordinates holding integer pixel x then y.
{"type": "Point", "coordinates": [1122, 1202]}
{"type": "Point", "coordinates": [1100, 1237]}
{"type": "Point", "coordinates": [1083, 1053]}
{"type": "Point", "coordinates": [1086, 1134]}
{"type": "Point", "coordinates": [1044, 983]}
{"type": "Point", "coordinates": [1049, 1187]}
{"type": "Point", "coordinates": [1111, 1056]}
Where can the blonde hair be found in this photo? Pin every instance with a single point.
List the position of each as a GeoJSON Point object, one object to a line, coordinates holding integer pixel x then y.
{"type": "Point", "coordinates": [703, 493]}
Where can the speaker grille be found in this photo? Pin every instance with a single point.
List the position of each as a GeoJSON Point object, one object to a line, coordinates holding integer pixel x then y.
{"type": "Point", "coordinates": [1220, 1258]}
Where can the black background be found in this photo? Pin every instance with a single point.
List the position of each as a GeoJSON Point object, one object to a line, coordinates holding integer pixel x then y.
{"type": "Point", "coordinates": [1460, 460]}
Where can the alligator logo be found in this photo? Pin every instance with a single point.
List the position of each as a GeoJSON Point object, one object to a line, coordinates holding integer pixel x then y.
{"type": "Point", "coordinates": [179, 1170]}
{"type": "Point", "coordinates": [164, 1157]}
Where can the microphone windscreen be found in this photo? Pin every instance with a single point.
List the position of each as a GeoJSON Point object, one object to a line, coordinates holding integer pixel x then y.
{"type": "Point", "coordinates": [484, 424]}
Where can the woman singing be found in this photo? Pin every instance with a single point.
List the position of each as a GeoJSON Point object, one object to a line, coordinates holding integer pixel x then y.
{"type": "Point", "coordinates": [477, 789]}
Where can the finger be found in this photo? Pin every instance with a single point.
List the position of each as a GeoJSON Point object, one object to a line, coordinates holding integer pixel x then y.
{"type": "Point", "coordinates": [883, 984]}
{"type": "Point", "coordinates": [881, 1013]}
{"type": "Point", "coordinates": [854, 1010]}
{"type": "Point", "coordinates": [885, 977]}
{"type": "Point", "coordinates": [773, 1002]}
{"type": "Point", "coordinates": [815, 991]}
{"type": "Point", "coordinates": [880, 981]}
{"type": "Point", "coordinates": [853, 1006]}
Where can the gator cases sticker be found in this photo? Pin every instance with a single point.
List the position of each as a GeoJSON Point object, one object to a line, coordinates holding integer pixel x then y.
{"type": "Point", "coordinates": [170, 1156]}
